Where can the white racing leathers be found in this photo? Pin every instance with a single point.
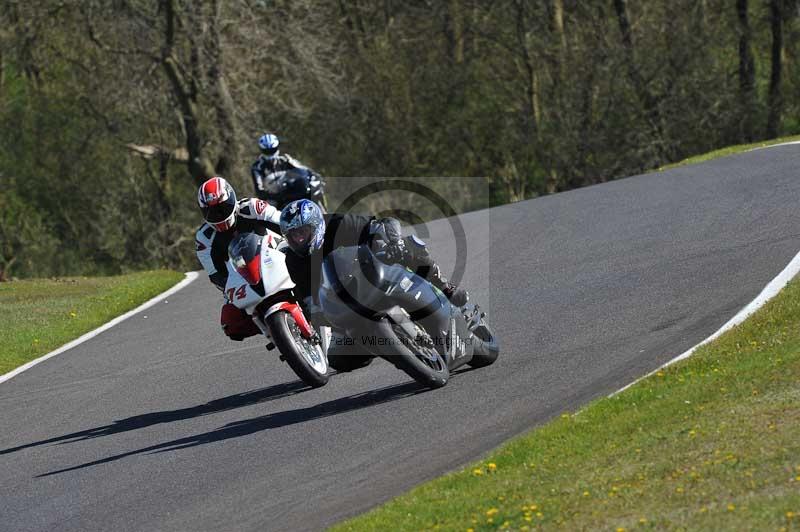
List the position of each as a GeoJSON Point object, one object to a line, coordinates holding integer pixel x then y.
{"type": "Point", "coordinates": [254, 215]}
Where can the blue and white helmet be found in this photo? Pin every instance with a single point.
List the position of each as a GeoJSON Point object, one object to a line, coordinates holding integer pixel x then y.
{"type": "Point", "coordinates": [303, 226]}
{"type": "Point", "coordinates": [269, 145]}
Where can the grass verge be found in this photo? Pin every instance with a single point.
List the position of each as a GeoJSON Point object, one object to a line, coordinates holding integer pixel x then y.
{"type": "Point", "coordinates": [729, 150]}
{"type": "Point", "coordinates": [711, 443]}
{"type": "Point", "coordinates": [39, 315]}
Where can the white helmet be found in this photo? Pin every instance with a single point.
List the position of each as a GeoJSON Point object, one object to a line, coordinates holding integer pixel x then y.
{"type": "Point", "coordinates": [269, 145]}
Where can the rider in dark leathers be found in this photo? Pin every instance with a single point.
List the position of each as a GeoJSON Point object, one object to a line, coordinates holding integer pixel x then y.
{"type": "Point", "coordinates": [270, 166]}
{"type": "Point", "coordinates": [312, 235]}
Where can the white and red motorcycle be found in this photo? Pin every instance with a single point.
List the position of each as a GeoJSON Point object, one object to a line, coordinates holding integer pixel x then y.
{"type": "Point", "coordinates": [259, 283]}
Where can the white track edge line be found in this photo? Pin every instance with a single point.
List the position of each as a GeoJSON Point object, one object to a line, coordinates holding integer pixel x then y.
{"type": "Point", "coordinates": [775, 145]}
{"type": "Point", "coordinates": [189, 277]}
{"type": "Point", "coordinates": [769, 291]}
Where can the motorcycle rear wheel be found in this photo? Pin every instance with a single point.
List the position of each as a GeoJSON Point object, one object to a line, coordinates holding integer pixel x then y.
{"type": "Point", "coordinates": [304, 357]}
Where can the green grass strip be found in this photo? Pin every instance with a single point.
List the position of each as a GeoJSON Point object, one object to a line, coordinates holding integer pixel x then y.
{"type": "Point", "coordinates": [39, 315]}
{"type": "Point", "coordinates": [710, 443]}
{"type": "Point", "coordinates": [730, 150]}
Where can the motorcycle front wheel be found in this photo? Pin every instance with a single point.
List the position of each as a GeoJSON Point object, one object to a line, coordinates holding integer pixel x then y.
{"type": "Point", "coordinates": [305, 357]}
{"type": "Point", "coordinates": [486, 349]}
{"type": "Point", "coordinates": [421, 362]}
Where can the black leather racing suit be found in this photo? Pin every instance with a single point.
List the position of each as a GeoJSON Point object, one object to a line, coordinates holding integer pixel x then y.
{"type": "Point", "coordinates": [355, 229]}
{"type": "Point", "coordinates": [266, 171]}
{"type": "Point", "coordinates": [344, 230]}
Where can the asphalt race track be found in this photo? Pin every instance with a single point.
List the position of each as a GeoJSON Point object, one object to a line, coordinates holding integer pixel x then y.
{"type": "Point", "coordinates": [161, 423]}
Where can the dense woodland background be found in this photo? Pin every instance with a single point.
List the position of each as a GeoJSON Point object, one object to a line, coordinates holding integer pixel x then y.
{"type": "Point", "coordinates": [113, 111]}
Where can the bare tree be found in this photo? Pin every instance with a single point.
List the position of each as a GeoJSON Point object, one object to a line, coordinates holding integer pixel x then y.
{"type": "Point", "coordinates": [747, 71]}
{"type": "Point", "coordinates": [775, 96]}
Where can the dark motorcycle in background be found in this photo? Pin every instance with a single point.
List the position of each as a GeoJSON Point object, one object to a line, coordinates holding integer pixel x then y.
{"type": "Point", "coordinates": [387, 311]}
{"type": "Point", "coordinates": [295, 184]}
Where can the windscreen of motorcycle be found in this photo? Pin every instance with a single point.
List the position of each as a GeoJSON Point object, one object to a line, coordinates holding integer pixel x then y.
{"type": "Point", "coordinates": [245, 254]}
{"type": "Point", "coordinates": [338, 268]}
{"type": "Point", "coordinates": [296, 184]}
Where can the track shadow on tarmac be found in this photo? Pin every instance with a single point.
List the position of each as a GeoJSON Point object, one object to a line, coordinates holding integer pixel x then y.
{"type": "Point", "coordinates": [269, 421]}
{"type": "Point", "coordinates": [239, 400]}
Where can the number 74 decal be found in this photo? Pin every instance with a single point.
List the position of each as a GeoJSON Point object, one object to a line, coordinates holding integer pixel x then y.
{"type": "Point", "coordinates": [240, 292]}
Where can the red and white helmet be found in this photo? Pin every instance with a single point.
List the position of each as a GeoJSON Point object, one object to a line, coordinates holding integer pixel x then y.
{"type": "Point", "coordinates": [217, 200]}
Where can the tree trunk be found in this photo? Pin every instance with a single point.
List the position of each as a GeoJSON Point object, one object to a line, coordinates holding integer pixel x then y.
{"type": "Point", "coordinates": [561, 53]}
{"type": "Point", "coordinates": [747, 72]}
{"type": "Point", "coordinates": [646, 98]}
{"type": "Point", "coordinates": [5, 269]}
{"type": "Point", "coordinates": [199, 165]}
{"type": "Point", "coordinates": [532, 80]}
{"type": "Point", "coordinates": [775, 98]}
{"type": "Point", "coordinates": [224, 107]}
{"type": "Point", "coordinates": [558, 22]}
{"type": "Point", "coordinates": [455, 32]}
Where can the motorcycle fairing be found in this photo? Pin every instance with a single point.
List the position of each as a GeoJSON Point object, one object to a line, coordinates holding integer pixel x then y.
{"type": "Point", "coordinates": [274, 278]}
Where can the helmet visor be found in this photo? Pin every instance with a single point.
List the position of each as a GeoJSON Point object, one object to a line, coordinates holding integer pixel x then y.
{"type": "Point", "coordinates": [219, 212]}
{"type": "Point", "coordinates": [270, 153]}
{"type": "Point", "coordinates": [299, 238]}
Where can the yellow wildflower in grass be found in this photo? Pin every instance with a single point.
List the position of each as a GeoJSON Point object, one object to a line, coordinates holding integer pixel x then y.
{"type": "Point", "coordinates": [492, 467]}
{"type": "Point", "coordinates": [731, 507]}
{"type": "Point", "coordinates": [72, 314]}
{"type": "Point", "coordinates": [620, 529]}
{"type": "Point", "coordinates": [642, 521]}
{"type": "Point", "coordinates": [789, 515]}
{"type": "Point", "coordinates": [491, 511]}
{"type": "Point", "coordinates": [585, 493]}
{"type": "Point", "coordinates": [477, 472]}
{"type": "Point", "coordinates": [539, 515]}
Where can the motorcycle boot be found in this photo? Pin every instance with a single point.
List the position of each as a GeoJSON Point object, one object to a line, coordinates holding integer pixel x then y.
{"type": "Point", "coordinates": [419, 259]}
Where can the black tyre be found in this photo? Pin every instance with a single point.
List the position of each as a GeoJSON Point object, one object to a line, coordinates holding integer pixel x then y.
{"type": "Point", "coordinates": [486, 348]}
{"type": "Point", "coordinates": [303, 356]}
{"type": "Point", "coordinates": [422, 363]}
